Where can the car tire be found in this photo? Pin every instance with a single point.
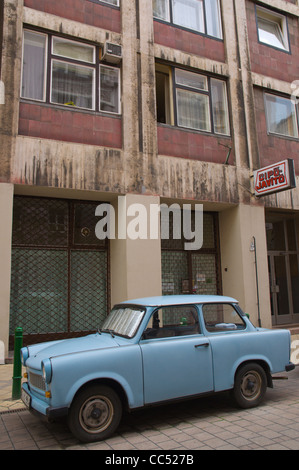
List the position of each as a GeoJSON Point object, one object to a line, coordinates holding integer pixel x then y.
{"type": "Point", "coordinates": [95, 413]}
{"type": "Point", "coordinates": [250, 385]}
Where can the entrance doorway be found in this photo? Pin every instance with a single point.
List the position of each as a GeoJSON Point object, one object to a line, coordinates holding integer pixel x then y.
{"type": "Point", "coordinates": [283, 264]}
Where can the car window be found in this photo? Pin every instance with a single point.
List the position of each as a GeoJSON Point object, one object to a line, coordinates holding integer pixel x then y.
{"type": "Point", "coordinates": [123, 321]}
{"type": "Point", "coordinates": [222, 317]}
{"type": "Point", "coordinates": [173, 321]}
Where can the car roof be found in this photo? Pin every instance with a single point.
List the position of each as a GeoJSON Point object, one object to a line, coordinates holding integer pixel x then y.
{"type": "Point", "coordinates": [179, 300]}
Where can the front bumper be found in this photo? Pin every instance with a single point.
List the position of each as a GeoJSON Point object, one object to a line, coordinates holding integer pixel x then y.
{"type": "Point", "coordinates": [40, 407]}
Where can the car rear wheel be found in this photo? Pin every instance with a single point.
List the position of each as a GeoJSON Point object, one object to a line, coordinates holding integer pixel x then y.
{"type": "Point", "coordinates": [250, 385]}
{"type": "Point", "coordinates": [95, 413]}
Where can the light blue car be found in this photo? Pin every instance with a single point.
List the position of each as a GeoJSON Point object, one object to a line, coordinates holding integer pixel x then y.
{"type": "Point", "coordinates": [150, 351]}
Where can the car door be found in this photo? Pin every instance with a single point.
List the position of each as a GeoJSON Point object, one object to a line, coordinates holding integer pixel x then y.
{"type": "Point", "coordinates": [177, 359]}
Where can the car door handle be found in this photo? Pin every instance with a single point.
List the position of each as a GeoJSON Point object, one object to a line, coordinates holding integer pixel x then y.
{"type": "Point", "coordinates": [202, 345]}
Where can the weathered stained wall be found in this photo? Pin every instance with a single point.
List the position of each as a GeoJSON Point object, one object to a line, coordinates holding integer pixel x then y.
{"type": "Point", "coordinates": [83, 11]}
{"type": "Point", "coordinates": [131, 153]}
{"type": "Point", "coordinates": [187, 41]}
{"type": "Point", "coordinates": [270, 61]}
{"type": "Point", "coordinates": [48, 122]}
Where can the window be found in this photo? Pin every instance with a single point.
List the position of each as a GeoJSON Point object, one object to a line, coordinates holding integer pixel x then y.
{"type": "Point", "coordinates": [34, 59]}
{"type": "Point", "coordinates": [109, 89]}
{"type": "Point", "coordinates": [74, 77]}
{"type": "Point", "coordinates": [222, 317]}
{"type": "Point", "coordinates": [171, 321]}
{"type": "Point", "coordinates": [272, 29]}
{"type": "Point", "coordinates": [202, 16]}
{"type": "Point", "coordinates": [111, 2]}
{"type": "Point", "coordinates": [123, 321]}
{"type": "Point", "coordinates": [200, 101]}
{"type": "Point", "coordinates": [281, 115]}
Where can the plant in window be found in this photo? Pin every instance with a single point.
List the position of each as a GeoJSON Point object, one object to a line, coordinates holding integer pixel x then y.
{"type": "Point", "coordinates": [73, 74]}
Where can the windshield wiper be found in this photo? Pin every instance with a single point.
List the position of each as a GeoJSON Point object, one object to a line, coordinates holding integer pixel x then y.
{"type": "Point", "coordinates": [106, 331]}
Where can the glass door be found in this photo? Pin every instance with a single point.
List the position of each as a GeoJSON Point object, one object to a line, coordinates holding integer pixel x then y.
{"type": "Point", "coordinates": [279, 289]}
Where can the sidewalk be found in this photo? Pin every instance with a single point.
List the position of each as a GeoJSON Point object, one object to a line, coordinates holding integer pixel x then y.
{"type": "Point", "coordinates": [6, 401]}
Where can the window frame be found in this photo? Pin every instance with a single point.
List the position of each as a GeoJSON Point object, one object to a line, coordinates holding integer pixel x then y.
{"type": "Point", "coordinates": [296, 116]}
{"type": "Point", "coordinates": [108, 3]}
{"type": "Point", "coordinates": [45, 65]}
{"type": "Point", "coordinates": [223, 326]}
{"type": "Point", "coordinates": [279, 21]}
{"type": "Point", "coordinates": [76, 65]}
{"type": "Point", "coordinates": [119, 88]}
{"type": "Point", "coordinates": [170, 20]}
{"type": "Point", "coordinates": [94, 65]}
{"type": "Point", "coordinates": [172, 94]}
{"type": "Point", "coordinates": [157, 329]}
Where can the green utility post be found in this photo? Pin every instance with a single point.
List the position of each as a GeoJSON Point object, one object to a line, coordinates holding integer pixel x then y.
{"type": "Point", "coordinates": [17, 365]}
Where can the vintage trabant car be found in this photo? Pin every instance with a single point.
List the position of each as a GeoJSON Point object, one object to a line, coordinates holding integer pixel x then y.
{"type": "Point", "coordinates": [150, 351]}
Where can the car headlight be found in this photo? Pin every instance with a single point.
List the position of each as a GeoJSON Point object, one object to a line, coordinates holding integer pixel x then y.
{"type": "Point", "coordinates": [24, 355]}
{"type": "Point", "coordinates": [47, 370]}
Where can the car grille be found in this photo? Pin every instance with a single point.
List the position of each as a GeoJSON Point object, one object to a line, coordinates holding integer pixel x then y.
{"type": "Point", "coordinates": [37, 381]}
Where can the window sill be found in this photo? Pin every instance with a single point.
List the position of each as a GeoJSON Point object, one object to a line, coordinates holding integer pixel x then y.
{"type": "Point", "coordinates": [189, 30]}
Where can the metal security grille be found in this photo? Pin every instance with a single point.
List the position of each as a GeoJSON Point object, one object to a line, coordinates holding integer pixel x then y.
{"type": "Point", "coordinates": [192, 272]}
{"type": "Point", "coordinates": [60, 271]}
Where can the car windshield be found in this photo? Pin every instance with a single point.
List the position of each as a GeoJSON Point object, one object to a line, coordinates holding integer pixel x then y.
{"type": "Point", "coordinates": [123, 321]}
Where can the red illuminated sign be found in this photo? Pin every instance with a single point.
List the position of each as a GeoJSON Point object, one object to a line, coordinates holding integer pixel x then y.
{"type": "Point", "coordinates": [274, 178]}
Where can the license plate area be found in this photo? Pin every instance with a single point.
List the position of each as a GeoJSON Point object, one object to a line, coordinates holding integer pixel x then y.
{"type": "Point", "coordinates": [26, 398]}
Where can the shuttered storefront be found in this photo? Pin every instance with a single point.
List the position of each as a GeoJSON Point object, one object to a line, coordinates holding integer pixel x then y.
{"type": "Point", "coordinates": [60, 270]}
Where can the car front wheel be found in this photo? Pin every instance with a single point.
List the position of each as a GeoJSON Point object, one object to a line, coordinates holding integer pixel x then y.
{"type": "Point", "coordinates": [250, 385]}
{"type": "Point", "coordinates": [95, 413]}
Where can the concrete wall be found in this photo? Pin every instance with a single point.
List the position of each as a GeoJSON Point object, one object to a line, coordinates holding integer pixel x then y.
{"type": "Point", "coordinates": [135, 263]}
{"type": "Point", "coordinates": [239, 227]}
{"type": "Point", "coordinates": [6, 205]}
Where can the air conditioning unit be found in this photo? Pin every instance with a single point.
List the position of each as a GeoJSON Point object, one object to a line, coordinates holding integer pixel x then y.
{"type": "Point", "coordinates": [111, 53]}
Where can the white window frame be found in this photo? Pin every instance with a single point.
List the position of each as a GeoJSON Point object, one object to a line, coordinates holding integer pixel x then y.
{"type": "Point", "coordinates": [294, 113]}
{"type": "Point", "coordinates": [77, 43]}
{"type": "Point", "coordinates": [198, 84]}
{"type": "Point", "coordinates": [77, 65]}
{"type": "Point", "coordinates": [76, 62]}
{"type": "Point", "coordinates": [93, 64]}
{"type": "Point", "coordinates": [279, 22]}
{"type": "Point", "coordinates": [109, 2]}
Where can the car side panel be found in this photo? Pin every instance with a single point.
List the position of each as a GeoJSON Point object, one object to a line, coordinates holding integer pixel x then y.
{"type": "Point", "coordinates": [123, 365]}
{"type": "Point", "coordinates": [231, 349]}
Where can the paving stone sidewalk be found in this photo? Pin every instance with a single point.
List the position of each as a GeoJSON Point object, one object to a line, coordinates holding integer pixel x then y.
{"type": "Point", "coordinates": [6, 401]}
{"type": "Point", "coordinates": [210, 423]}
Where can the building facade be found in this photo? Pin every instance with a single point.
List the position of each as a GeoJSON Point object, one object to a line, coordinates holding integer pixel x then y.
{"type": "Point", "coordinates": [125, 102]}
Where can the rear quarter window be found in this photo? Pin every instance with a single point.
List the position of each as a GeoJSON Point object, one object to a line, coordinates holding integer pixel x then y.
{"type": "Point", "coordinates": [222, 317]}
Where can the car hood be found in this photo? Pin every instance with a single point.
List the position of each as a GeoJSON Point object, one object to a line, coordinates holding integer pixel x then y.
{"type": "Point", "coordinates": [39, 352]}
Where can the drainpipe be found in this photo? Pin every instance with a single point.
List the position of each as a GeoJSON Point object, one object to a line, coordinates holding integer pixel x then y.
{"type": "Point", "coordinates": [257, 283]}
